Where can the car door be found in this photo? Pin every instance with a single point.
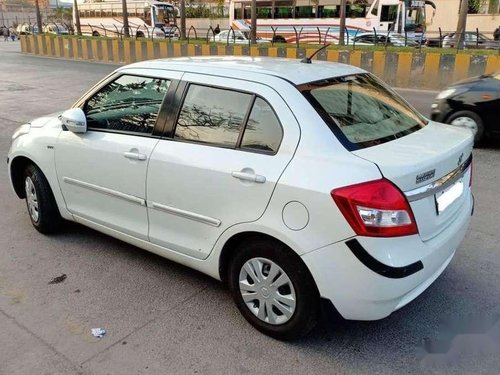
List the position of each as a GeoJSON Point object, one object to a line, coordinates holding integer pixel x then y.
{"type": "Point", "coordinates": [102, 173]}
{"type": "Point", "coordinates": [226, 150]}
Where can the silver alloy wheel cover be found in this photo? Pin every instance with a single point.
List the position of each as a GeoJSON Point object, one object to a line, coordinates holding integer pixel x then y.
{"type": "Point", "coordinates": [31, 199]}
{"type": "Point", "coordinates": [262, 283]}
{"type": "Point", "coordinates": [466, 122]}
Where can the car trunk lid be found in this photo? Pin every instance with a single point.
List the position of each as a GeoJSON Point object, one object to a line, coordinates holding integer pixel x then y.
{"type": "Point", "coordinates": [431, 166]}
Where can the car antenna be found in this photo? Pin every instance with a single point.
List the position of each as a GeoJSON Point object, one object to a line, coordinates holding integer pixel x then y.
{"type": "Point", "coordinates": [308, 60]}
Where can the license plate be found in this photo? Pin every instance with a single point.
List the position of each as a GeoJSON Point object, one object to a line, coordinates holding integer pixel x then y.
{"type": "Point", "coordinates": [446, 197]}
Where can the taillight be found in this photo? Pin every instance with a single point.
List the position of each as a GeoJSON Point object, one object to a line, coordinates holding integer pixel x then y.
{"type": "Point", "coordinates": [376, 209]}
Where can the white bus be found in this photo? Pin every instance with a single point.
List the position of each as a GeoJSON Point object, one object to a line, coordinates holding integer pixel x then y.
{"type": "Point", "coordinates": [146, 18]}
{"type": "Point", "coordinates": [319, 21]}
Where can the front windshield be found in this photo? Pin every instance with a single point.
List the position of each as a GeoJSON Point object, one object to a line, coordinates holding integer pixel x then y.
{"type": "Point", "coordinates": [415, 19]}
{"type": "Point", "coordinates": [362, 110]}
{"type": "Point", "coordinates": [163, 13]}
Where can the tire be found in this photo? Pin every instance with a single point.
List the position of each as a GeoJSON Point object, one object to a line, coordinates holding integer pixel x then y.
{"type": "Point", "coordinates": [269, 257]}
{"type": "Point", "coordinates": [467, 119]}
{"type": "Point", "coordinates": [96, 34]}
{"type": "Point", "coordinates": [40, 201]}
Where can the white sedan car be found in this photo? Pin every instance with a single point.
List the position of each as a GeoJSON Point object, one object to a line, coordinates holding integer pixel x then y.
{"type": "Point", "coordinates": [294, 183]}
{"type": "Point", "coordinates": [236, 36]}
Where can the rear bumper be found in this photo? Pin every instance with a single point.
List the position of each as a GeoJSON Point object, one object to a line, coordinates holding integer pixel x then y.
{"type": "Point", "coordinates": [359, 292]}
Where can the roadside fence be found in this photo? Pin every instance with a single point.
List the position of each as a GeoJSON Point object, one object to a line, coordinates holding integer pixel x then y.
{"type": "Point", "coordinates": [353, 37]}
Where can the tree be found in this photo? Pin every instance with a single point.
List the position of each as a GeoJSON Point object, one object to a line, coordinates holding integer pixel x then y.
{"type": "Point", "coordinates": [183, 19]}
{"type": "Point", "coordinates": [342, 22]}
{"type": "Point", "coordinates": [38, 16]}
{"type": "Point", "coordinates": [126, 31]}
{"type": "Point", "coordinates": [76, 12]}
{"type": "Point", "coordinates": [253, 15]}
{"type": "Point", "coordinates": [462, 21]}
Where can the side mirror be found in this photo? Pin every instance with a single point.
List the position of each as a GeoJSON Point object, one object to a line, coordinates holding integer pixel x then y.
{"type": "Point", "coordinates": [74, 120]}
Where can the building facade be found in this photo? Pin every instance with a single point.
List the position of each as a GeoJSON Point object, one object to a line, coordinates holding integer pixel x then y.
{"type": "Point", "coordinates": [484, 15]}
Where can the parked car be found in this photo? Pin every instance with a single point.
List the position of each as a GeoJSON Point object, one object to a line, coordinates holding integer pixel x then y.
{"type": "Point", "coordinates": [27, 29]}
{"type": "Point", "coordinates": [392, 39]}
{"type": "Point", "coordinates": [473, 103]}
{"type": "Point", "coordinates": [472, 40]}
{"type": "Point", "coordinates": [295, 183]}
{"type": "Point", "coordinates": [236, 36]}
{"type": "Point", "coordinates": [55, 28]}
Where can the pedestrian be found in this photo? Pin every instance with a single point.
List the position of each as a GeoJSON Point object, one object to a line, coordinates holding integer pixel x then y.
{"type": "Point", "coordinates": [496, 33]}
{"type": "Point", "coordinates": [13, 34]}
{"type": "Point", "coordinates": [217, 29]}
{"type": "Point", "coordinates": [6, 34]}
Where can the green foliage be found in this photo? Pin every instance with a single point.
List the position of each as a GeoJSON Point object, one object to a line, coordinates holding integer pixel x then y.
{"type": "Point", "coordinates": [203, 11]}
{"type": "Point", "coordinates": [61, 13]}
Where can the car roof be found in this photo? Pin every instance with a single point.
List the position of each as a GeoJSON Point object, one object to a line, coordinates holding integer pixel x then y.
{"type": "Point", "coordinates": [291, 70]}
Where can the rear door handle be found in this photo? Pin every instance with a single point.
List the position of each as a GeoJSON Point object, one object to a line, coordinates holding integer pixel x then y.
{"type": "Point", "coordinates": [134, 155]}
{"type": "Point", "coordinates": [252, 177]}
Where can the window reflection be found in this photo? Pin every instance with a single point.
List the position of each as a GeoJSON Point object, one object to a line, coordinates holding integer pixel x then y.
{"type": "Point", "coordinates": [212, 115]}
{"type": "Point", "coordinates": [263, 131]}
{"type": "Point", "coordinates": [129, 103]}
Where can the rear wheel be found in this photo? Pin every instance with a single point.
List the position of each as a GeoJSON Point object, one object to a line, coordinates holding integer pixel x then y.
{"type": "Point", "coordinates": [96, 34]}
{"type": "Point", "coordinates": [40, 201]}
{"type": "Point", "coordinates": [274, 290]}
{"type": "Point", "coordinates": [469, 120]}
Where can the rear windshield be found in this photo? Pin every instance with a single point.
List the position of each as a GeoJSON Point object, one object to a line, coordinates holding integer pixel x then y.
{"type": "Point", "coordinates": [361, 110]}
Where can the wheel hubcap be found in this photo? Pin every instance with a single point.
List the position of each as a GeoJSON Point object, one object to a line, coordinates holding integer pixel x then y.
{"type": "Point", "coordinates": [267, 291]}
{"type": "Point", "coordinates": [466, 122]}
{"type": "Point", "coordinates": [31, 199]}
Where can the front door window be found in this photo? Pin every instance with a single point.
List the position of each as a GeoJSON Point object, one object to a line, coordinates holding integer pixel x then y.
{"type": "Point", "coordinates": [128, 104]}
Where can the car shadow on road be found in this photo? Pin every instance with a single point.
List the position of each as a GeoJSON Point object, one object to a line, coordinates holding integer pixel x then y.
{"type": "Point", "coordinates": [409, 340]}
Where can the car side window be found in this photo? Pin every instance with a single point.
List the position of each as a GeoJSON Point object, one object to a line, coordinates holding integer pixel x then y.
{"type": "Point", "coordinates": [128, 104]}
{"type": "Point", "coordinates": [263, 131]}
{"type": "Point", "coordinates": [212, 115]}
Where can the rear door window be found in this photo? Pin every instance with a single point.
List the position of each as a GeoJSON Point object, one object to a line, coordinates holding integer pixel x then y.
{"type": "Point", "coordinates": [263, 131]}
{"type": "Point", "coordinates": [361, 111]}
{"type": "Point", "coordinates": [228, 118]}
{"type": "Point", "coordinates": [212, 115]}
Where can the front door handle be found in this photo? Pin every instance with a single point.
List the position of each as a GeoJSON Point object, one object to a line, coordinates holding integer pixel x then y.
{"type": "Point", "coordinates": [252, 177]}
{"type": "Point", "coordinates": [134, 155]}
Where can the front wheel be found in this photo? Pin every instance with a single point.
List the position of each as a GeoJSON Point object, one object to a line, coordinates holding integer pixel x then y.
{"type": "Point", "coordinates": [274, 290]}
{"type": "Point", "coordinates": [469, 120]}
{"type": "Point", "coordinates": [40, 201]}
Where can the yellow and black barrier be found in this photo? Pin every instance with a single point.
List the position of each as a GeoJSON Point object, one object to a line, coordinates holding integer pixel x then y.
{"type": "Point", "coordinates": [420, 69]}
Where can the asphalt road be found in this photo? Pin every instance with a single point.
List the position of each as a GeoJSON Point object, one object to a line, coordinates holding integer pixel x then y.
{"type": "Point", "coordinates": [162, 318]}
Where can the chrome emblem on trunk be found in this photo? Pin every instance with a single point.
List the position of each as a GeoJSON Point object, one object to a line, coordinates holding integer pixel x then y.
{"type": "Point", "coordinates": [425, 176]}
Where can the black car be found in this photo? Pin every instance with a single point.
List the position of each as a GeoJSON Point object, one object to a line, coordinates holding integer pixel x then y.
{"type": "Point", "coordinates": [473, 103]}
